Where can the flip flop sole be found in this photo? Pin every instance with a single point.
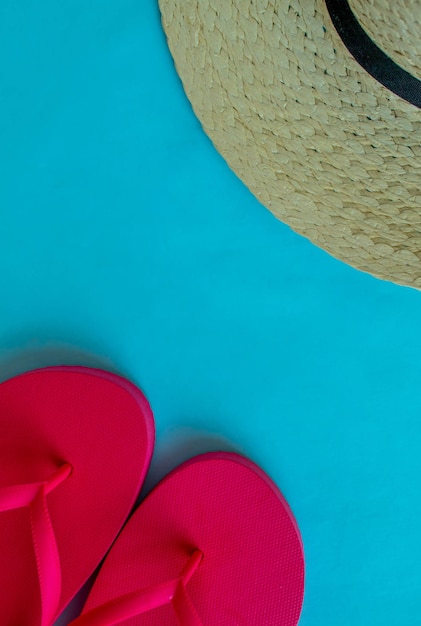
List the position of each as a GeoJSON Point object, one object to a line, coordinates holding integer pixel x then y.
{"type": "Point", "coordinates": [102, 426]}
{"type": "Point", "coordinates": [252, 570]}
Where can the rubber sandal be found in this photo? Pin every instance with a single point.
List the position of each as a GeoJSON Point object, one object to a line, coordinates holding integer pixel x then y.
{"type": "Point", "coordinates": [75, 446]}
{"type": "Point", "coordinates": [214, 544]}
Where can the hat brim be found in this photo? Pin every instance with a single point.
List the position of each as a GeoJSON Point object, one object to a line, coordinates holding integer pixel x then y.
{"type": "Point", "coordinates": [319, 141]}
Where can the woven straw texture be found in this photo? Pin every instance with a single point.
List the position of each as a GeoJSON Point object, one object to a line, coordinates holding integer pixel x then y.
{"type": "Point", "coordinates": [317, 140]}
{"type": "Point", "coordinates": [396, 29]}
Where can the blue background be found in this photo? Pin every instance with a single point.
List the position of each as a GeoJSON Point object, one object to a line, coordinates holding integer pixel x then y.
{"type": "Point", "coordinates": [126, 242]}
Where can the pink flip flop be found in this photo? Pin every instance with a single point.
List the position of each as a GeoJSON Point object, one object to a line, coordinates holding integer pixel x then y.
{"type": "Point", "coordinates": [75, 446]}
{"type": "Point", "coordinates": [214, 544]}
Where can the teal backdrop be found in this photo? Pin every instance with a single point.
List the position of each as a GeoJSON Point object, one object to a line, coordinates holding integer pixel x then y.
{"type": "Point", "coordinates": [127, 243]}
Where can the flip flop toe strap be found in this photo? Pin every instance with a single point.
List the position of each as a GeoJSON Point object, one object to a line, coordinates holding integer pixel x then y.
{"type": "Point", "coordinates": [174, 591]}
{"type": "Point", "coordinates": [45, 545]}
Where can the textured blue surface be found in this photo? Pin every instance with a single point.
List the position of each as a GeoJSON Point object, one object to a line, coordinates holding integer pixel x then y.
{"type": "Point", "coordinates": [126, 242]}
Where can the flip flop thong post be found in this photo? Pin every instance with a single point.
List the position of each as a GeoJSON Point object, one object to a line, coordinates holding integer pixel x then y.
{"type": "Point", "coordinates": [75, 446]}
{"type": "Point", "coordinates": [215, 543]}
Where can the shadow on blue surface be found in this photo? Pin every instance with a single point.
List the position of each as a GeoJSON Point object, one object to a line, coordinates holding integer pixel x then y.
{"type": "Point", "coordinates": [14, 362]}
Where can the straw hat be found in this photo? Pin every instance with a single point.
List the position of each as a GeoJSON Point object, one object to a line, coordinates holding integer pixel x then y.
{"type": "Point", "coordinates": [320, 123]}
